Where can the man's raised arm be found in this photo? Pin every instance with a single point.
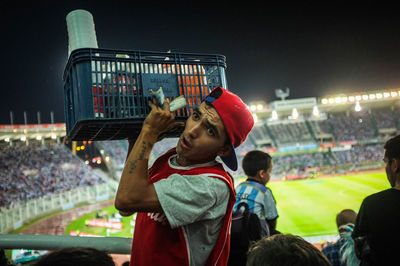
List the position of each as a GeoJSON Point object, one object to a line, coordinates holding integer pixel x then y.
{"type": "Point", "coordinates": [135, 193]}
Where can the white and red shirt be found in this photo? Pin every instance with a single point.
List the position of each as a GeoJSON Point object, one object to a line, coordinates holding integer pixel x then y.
{"type": "Point", "coordinates": [194, 227]}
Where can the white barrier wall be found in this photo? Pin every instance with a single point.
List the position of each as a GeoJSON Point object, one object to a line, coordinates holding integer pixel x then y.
{"type": "Point", "coordinates": [19, 214]}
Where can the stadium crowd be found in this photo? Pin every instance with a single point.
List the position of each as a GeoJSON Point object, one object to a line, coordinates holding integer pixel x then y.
{"type": "Point", "coordinates": [48, 169]}
{"type": "Point", "coordinates": [359, 154]}
{"type": "Point", "coordinates": [115, 149]}
{"type": "Point", "coordinates": [35, 170]}
{"type": "Point", "coordinates": [338, 126]}
{"type": "Point", "coordinates": [384, 118]}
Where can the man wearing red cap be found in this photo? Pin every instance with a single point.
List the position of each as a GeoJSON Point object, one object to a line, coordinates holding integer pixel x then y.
{"type": "Point", "coordinates": [185, 199]}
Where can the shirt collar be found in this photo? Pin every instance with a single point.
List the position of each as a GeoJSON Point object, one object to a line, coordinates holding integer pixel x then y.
{"type": "Point", "coordinates": [172, 161]}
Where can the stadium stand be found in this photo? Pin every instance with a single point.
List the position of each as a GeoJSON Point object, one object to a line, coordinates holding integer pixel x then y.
{"type": "Point", "coordinates": [359, 154]}
{"type": "Point", "coordinates": [115, 149]}
{"type": "Point", "coordinates": [352, 126]}
{"type": "Point", "coordinates": [321, 127]}
{"type": "Point", "coordinates": [384, 118]}
{"type": "Point", "coordinates": [29, 171]}
{"type": "Point", "coordinates": [290, 131]}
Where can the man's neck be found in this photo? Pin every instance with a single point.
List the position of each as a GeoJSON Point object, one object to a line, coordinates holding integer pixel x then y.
{"type": "Point", "coordinates": [182, 163]}
{"type": "Point", "coordinates": [397, 183]}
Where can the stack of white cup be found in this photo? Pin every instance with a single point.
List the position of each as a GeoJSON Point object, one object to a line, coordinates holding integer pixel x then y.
{"type": "Point", "coordinates": [81, 32]}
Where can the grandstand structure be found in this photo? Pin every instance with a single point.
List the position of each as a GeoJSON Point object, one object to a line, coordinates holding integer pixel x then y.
{"type": "Point", "coordinates": [336, 133]}
{"type": "Point", "coordinates": [40, 175]}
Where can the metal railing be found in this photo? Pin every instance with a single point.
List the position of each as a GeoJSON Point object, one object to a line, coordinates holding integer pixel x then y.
{"type": "Point", "coordinates": [112, 245]}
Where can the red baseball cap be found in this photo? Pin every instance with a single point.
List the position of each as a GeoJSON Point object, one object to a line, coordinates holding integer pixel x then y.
{"type": "Point", "coordinates": [236, 117]}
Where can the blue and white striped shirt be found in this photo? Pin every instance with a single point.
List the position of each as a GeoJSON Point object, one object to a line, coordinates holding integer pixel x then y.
{"type": "Point", "coordinates": [258, 197]}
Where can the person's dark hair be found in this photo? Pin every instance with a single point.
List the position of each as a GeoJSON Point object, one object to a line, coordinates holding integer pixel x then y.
{"type": "Point", "coordinates": [392, 148]}
{"type": "Point", "coordinates": [76, 256]}
{"type": "Point", "coordinates": [285, 250]}
{"type": "Point", "coordinates": [346, 216]}
{"type": "Point", "coordinates": [254, 161]}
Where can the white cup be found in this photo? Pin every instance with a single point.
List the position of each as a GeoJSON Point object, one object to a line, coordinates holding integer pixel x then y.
{"type": "Point", "coordinates": [81, 32]}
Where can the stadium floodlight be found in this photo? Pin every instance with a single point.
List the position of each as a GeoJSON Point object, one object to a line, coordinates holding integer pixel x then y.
{"type": "Point", "coordinates": [358, 98]}
{"type": "Point", "coordinates": [7, 139]}
{"type": "Point", "coordinates": [379, 95]}
{"type": "Point", "coordinates": [253, 107]}
{"type": "Point", "coordinates": [23, 138]}
{"type": "Point", "coordinates": [295, 114]}
{"type": "Point", "coordinates": [274, 115]}
{"type": "Point", "coordinates": [344, 99]}
{"type": "Point", "coordinates": [53, 136]}
{"type": "Point", "coordinates": [338, 100]}
{"type": "Point", "coordinates": [255, 118]}
{"type": "Point", "coordinates": [324, 101]}
{"type": "Point", "coordinates": [351, 98]}
{"type": "Point", "coordinates": [393, 94]}
{"type": "Point", "coordinates": [259, 107]}
{"type": "Point", "coordinates": [38, 137]}
{"type": "Point", "coordinates": [372, 96]}
{"type": "Point", "coordinates": [365, 97]}
{"type": "Point", "coordinates": [386, 94]}
{"type": "Point", "coordinates": [315, 111]}
{"type": "Point", "coordinates": [331, 100]}
{"type": "Point", "coordinates": [357, 107]}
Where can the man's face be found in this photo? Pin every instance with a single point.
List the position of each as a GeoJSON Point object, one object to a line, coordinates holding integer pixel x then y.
{"type": "Point", "coordinates": [389, 171]}
{"type": "Point", "coordinates": [203, 139]}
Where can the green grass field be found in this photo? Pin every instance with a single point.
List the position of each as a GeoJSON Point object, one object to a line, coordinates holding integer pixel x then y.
{"type": "Point", "coordinates": [80, 226]}
{"type": "Point", "coordinates": [306, 207]}
{"type": "Point", "coordinates": [309, 207]}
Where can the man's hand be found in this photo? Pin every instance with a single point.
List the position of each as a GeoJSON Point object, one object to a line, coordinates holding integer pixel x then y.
{"type": "Point", "coordinates": [135, 193]}
{"type": "Point", "coordinates": [160, 119]}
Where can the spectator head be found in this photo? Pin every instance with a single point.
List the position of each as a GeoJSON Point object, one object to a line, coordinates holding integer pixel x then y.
{"type": "Point", "coordinates": [345, 220]}
{"type": "Point", "coordinates": [392, 160]}
{"type": "Point", "coordinates": [284, 250]}
{"type": "Point", "coordinates": [76, 256]}
{"type": "Point", "coordinates": [257, 165]}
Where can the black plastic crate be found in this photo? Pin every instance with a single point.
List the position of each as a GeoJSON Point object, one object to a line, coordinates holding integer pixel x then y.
{"type": "Point", "coordinates": [106, 92]}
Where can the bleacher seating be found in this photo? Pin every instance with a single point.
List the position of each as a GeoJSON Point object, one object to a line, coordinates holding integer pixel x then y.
{"type": "Point", "coordinates": [352, 126]}
{"type": "Point", "coordinates": [35, 170]}
{"type": "Point", "coordinates": [290, 132]}
{"type": "Point", "coordinates": [384, 118]}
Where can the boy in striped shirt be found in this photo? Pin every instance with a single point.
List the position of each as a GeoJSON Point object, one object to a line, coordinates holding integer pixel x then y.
{"type": "Point", "coordinates": [257, 165]}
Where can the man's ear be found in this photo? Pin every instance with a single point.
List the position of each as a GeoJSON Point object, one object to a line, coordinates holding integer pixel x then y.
{"type": "Point", "coordinates": [225, 150]}
{"type": "Point", "coordinates": [395, 165]}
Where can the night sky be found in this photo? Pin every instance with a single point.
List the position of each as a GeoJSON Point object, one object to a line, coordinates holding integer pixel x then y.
{"type": "Point", "coordinates": [313, 50]}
